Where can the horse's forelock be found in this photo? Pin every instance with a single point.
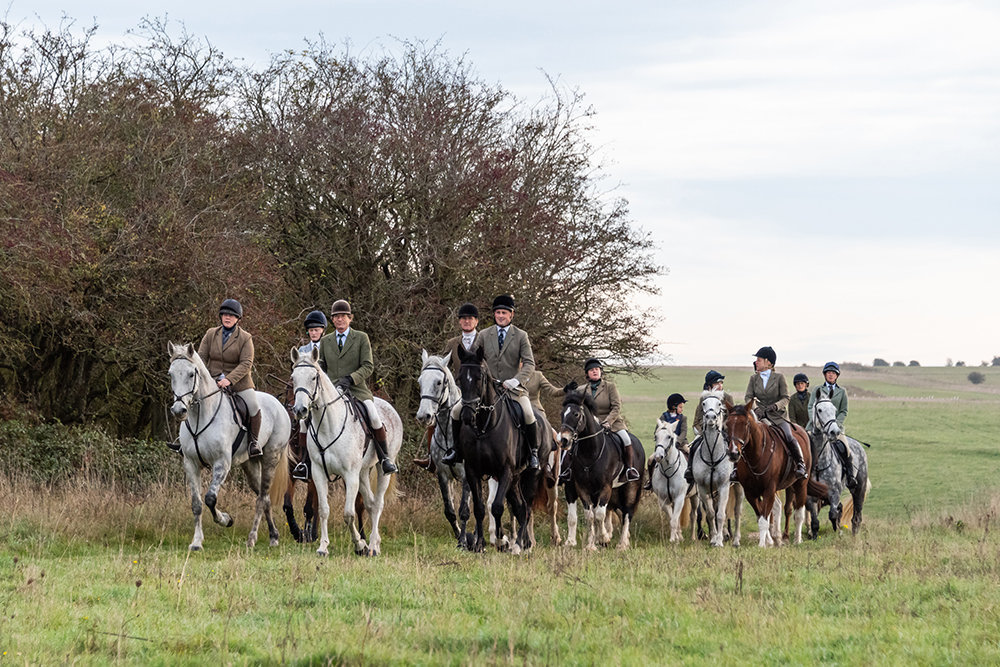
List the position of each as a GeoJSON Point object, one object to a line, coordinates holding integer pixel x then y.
{"type": "Point", "coordinates": [738, 411]}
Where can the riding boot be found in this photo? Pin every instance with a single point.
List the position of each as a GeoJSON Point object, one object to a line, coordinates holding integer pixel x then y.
{"type": "Point", "coordinates": [794, 451]}
{"type": "Point", "coordinates": [648, 484]}
{"type": "Point", "coordinates": [428, 463]}
{"type": "Point", "coordinates": [454, 455]}
{"type": "Point", "coordinates": [253, 447]}
{"type": "Point", "coordinates": [382, 451]}
{"type": "Point", "coordinates": [566, 467]}
{"type": "Point", "coordinates": [849, 466]}
{"type": "Point", "coordinates": [531, 433]}
{"type": "Point", "coordinates": [689, 473]}
{"type": "Point", "coordinates": [301, 470]}
{"type": "Point", "coordinates": [631, 472]}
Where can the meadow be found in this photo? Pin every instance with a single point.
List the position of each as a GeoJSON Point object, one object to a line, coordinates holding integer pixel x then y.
{"type": "Point", "coordinates": [92, 576]}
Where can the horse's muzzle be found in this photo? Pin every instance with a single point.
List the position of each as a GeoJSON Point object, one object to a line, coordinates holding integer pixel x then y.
{"type": "Point", "coordinates": [734, 456]}
{"type": "Point", "coordinates": [300, 412]}
{"type": "Point", "coordinates": [179, 410]}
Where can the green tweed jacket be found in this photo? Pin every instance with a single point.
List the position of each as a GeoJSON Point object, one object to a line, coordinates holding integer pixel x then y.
{"type": "Point", "coordinates": [773, 398]}
{"type": "Point", "coordinates": [355, 360]}
{"type": "Point", "coordinates": [839, 400]}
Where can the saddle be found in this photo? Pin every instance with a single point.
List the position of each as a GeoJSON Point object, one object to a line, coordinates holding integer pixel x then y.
{"type": "Point", "coordinates": [358, 410]}
{"type": "Point", "coordinates": [240, 416]}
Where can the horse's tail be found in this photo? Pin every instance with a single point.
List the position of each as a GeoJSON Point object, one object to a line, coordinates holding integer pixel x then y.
{"type": "Point", "coordinates": [817, 489]}
{"type": "Point", "coordinates": [392, 492]}
{"type": "Point", "coordinates": [280, 480]}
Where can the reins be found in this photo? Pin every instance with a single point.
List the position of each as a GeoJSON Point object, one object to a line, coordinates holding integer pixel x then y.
{"type": "Point", "coordinates": [444, 402]}
{"type": "Point", "coordinates": [313, 425]}
{"type": "Point", "coordinates": [196, 401]}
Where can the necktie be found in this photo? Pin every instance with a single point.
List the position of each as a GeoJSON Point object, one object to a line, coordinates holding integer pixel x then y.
{"type": "Point", "coordinates": [500, 339]}
{"type": "Point", "coordinates": [340, 342]}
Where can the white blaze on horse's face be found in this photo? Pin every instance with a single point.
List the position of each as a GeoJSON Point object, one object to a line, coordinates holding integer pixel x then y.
{"type": "Point", "coordinates": [566, 433]}
{"type": "Point", "coordinates": [665, 437]}
{"type": "Point", "coordinates": [432, 388]}
{"type": "Point", "coordinates": [305, 375]}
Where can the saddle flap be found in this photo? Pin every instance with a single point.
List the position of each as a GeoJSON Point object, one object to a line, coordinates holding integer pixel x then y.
{"type": "Point", "coordinates": [516, 413]}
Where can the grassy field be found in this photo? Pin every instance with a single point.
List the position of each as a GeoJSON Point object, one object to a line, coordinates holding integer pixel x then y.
{"type": "Point", "coordinates": [89, 576]}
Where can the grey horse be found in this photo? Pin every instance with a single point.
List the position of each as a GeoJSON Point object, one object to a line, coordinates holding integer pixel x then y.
{"type": "Point", "coordinates": [711, 466]}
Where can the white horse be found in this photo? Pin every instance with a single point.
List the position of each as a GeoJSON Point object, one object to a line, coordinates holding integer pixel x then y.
{"type": "Point", "coordinates": [668, 478]}
{"type": "Point", "coordinates": [208, 433]}
{"type": "Point", "coordinates": [337, 447]}
{"type": "Point", "coordinates": [711, 467]}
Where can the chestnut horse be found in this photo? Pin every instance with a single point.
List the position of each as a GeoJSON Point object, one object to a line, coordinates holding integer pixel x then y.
{"type": "Point", "coordinates": [763, 468]}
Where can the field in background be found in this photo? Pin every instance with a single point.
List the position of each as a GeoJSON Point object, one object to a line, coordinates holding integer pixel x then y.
{"type": "Point", "coordinates": [93, 576]}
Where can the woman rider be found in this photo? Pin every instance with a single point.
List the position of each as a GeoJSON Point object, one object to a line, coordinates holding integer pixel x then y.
{"type": "Point", "coordinates": [674, 415]}
{"type": "Point", "coordinates": [315, 325]}
{"type": "Point", "coordinates": [768, 387]}
{"type": "Point", "coordinates": [227, 351]}
{"type": "Point", "coordinates": [609, 409]}
{"type": "Point", "coordinates": [714, 381]}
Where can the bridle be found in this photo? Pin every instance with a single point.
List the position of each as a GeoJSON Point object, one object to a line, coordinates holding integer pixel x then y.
{"type": "Point", "coordinates": [476, 404]}
{"type": "Point", "coordinates": [741, 445]}
{"type": "Point", "coordinates": [826, 436]}
{"type": "Point", "coordinates": [443, 401]}
{"type": "Point", "coordinates": [196, 401]}
{"type": "Point", "coordinates": [581, 418]}
{"type": "Point", "coordinates": [313, 425]}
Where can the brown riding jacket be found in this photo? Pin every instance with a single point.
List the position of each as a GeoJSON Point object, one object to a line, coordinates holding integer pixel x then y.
{"type": "Point", "coordinates": [235, 359]}
{"type": "Point", "coordinates": [773, 399]}
{"type": "Point", "coordinates": [608, 402]}
{"type": "Point", "coordinates": [538, 387]}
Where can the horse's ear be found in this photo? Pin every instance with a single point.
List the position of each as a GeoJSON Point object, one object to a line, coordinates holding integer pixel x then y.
{"type": "Point", "coordinates": [446, 359]}
{"type": "Point", "coordinates": [189, 351]}
{"type": "Point", "coordinates": [751, 404]}
{"type": "Point", "coordinates": [480, 353]}
{"type": "Point", "coordinates": [314, 354]}
{"type": "Point", "coordinates": [294, 355]}
{"type": "Point", "coordinates": [423, 356]}
{"type": "Point", "coordinates": [818, 390]}
{"type": "Point", "coordinates": [170, 348]}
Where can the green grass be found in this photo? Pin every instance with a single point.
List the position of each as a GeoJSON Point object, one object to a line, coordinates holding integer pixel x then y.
{"type": "Point", "coordinates": [918, 586]}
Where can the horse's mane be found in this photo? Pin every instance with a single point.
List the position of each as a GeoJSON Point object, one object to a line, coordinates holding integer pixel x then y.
{"type": "Point", "coordinates": [714, 393]}
{"type": "Point", "coordinates": [194, 358]}
{"type": "Point", "coordinates": [438, 362]}
{"type": "Point", "coordinates": [739, 410]}
{"type": "Point", "coordinates": [580, 398]}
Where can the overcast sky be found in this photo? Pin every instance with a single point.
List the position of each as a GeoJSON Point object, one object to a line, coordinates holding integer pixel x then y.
{"type": "Point", "coordinates": [819, 177]}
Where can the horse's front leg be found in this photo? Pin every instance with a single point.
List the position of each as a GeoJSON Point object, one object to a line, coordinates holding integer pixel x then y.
{"type": "Point", "coordinates": [776, 512]}
{"type": "Point", "coordinates": [219, 473]}
{"type": "Point", "coordinates": [444, 485]}
{"type": "Point", "coordinates": [288, 505]}
{"type": "Point", "coordinates": [376, 509]}
{"type": "Point", "coordinates": [351, 485]}
{"type": "Point", "coordinates": [737, 490]}
{"type": "Point", "coordinates": [193, 470]}
{"type": "Point", "coordinates": [491, 485]}
{"type": "Point", "coordinates": [252, 470]}
{"type": "Point", "coordinates": [496, 509]}
{"type": "Point", "coordinates": [552, 509]}
{"type": "Point", "coordinates": [323, 502]}
{"type": "Point", "coordinates": [309, 511]}
{"type": "Point", "coordinates": [678, 509]}
{"type": "Point", "coordinates": [477, 543]}
{"type": "Point", "coordinates": [836, 511]}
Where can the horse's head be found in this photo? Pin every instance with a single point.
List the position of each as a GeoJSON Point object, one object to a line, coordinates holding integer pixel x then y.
{"type": "Point", "coordinates": [713, 410]}
{"type": "Point", "coordinates": [474, 381]}
{"type": "Point", "coordinates": [665, 437]}
{"type": "Point", "coordinates": [577, 408]}
{"type": "Point", "coordinates": [741, 424]}
{"type": "Point", "coordinates": [434, 381]}
{"type": "Point", "coordinates": [184, 377]}
{"type": "Point", "coordinates": [824, 416]}
{"type": "Point", "coordinates": [307, 377]}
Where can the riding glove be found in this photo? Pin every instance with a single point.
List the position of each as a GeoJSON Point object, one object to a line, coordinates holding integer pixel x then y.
{"type": "Point", "coordinates": [345, 382]}
{"type": "Point", "coordinates": [570, 387]}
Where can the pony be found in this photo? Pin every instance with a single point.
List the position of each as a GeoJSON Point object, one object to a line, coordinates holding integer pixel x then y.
{"type": "Point", "coordinates": [493, 445]}
{"type": "Point", "coordinates": [763, 468]}
{"type": "Point", "coordinates": [438, 395]}
{"type": "Point", "coordinates": [338, 447]}
{"type": "Point", "coordinates": [209, 431]}
{"type": "Point", "coordinates": [829, 469]}
{"type": "Point", "coordinates": [596, 473]}
{"type": "Point", "coordinates": [668, 481]}
{"type": "Point", "coordinates": [711, 467]}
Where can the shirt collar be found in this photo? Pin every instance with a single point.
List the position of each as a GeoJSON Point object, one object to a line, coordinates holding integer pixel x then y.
{"type": "Point", "coordinates": [346, 331]}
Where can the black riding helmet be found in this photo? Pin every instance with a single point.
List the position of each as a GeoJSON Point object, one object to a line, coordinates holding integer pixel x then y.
{"type": "Point", "coordinates": [673, 401]}
{"type": "Point", "coordinates": [315, 319]}
{"type": "Point", "coordinates": [231, 307]}
{"type": "Point", "coordinates": [712, 377]}
{"type": "Point", "coordinates": [592, 363]}
{"type": "Point", "coordinates": [800, 377]}
{"type": "Point", "coordinates": [767, 353]}
{"type": "Point", "coordinates": [505, 302]}
{"type": "Point", "coordinates": [468, 310]}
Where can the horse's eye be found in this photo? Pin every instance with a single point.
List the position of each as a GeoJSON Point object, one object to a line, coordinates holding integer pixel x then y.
{"type": "Point", "coordinates": [191, 374]}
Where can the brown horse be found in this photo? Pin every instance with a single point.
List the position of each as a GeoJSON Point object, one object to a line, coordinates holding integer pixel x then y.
{"type": "Point", "coordinates": [764, 468]}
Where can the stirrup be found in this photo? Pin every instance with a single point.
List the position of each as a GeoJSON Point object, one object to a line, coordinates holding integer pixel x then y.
{"type": "Point", "coordinates": [254, 450]}
{"type": "Point", "coordinates": [301, 471]}
{"type": "Point", "coordinates": [388, 467]}
{"type": "Point", "coordinates": [533, 459]}
{"type": "Point", "coordinates": [565, 476]}
{"type": "Point", "coordinates": [450, 457]}
{"type": "Point", "coordinates": [800, 471]}
{"type": "Point", "coordinates": [175, 446]}
{"type": "Point", "coordinates": [648, 484]}
{"type": "Point", "coordinates": [851, 482]}
{"type": "Point", "coordinates": [631, 474]}
{"type": "Point", "coordinates": [733, 477]}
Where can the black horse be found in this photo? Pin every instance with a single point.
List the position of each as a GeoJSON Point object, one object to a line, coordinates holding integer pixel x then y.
{"type": "Point", "coordinates": [493, 445]}
{"type": "Point", "coordinates": [597, 468]}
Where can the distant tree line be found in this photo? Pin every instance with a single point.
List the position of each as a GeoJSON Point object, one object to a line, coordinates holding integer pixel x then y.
{"type": "Point", "coordinates": [142, 183]}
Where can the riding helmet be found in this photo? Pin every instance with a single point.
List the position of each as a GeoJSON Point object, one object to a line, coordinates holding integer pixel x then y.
{"type": "Point", "coordinates": [504, 302]}
{"type": "Point", "coordinates": [767, 352]}
{"type": "Point", "coordinates": [231, 307]}
{"type": "Point", "coordinates": [800, 377]}
{"type": "Point", "coordinates": [673, 401]}
{"type": "Point", "coordinates": [592, 363]}
{"type": "Point", "coordinates": [832, 366]}
{"type": "Point", "coordinates": [468, 310]}
{"type": "Point", "coordinates": [315, 319]}
{"type": "Point", "coordinates": [712, 377]}
{"type": "Point", "coordinates": [340, 307]}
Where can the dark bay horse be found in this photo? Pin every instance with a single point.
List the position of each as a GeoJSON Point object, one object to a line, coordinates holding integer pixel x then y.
{"type": "Point", "coordinates": [493, 446]}
{"type": "Point", "coordinates": [596, 473]}
{"type": "Point", "coordinates": [763, 467]}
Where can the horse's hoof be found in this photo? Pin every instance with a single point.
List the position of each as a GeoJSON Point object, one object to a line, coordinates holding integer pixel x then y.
{"type": "Point", "coordinates": [274, 542]}
{"type": "Point", "coordinates": [322, 552]}
{"type": "Point", "coordinates": [194, 547]}
{"type": "Point", "coordinates": [229, 524]}
{"type": "Point", "coordinates": [365, 551]}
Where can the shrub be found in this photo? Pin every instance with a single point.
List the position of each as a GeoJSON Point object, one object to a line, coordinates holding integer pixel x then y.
{"type": "Point", "coordinates": [975, 377]}
{"type": "Point", "coordinates": [880, 362]}
{"type": "Point", "coordinates": [914, 362]}
{"type": "Point", "coordinates": [957, 363]}
{"type": "Point", "coordinates": [996, 361]}
{"type": "Point", "coordinates": [898, 363]}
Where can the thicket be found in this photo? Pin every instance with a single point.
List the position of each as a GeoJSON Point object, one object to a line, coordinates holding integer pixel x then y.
{"type": "Point", "coordinates": [975, 377]}
{"type": "Point", "coordinates": [142, 183]}
{"type": "Point", "coordinates": [880, 362]}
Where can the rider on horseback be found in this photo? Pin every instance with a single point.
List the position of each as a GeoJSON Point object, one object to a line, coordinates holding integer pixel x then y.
{"type": "Point", "coordinates": [510, 360]}
{"type": "Point", "coordinates": [346, 356]}
{"type": "Point", "coordinates": [798, 403]}
{"type": "Point", "coordinates": [768, 387]}
{"type": "Point", "coordinates": [315, 325]}
{"type": "Point", "coordinates": [674, 416]}
{"type": "Point", "coordinates": [837, 394]}
{"type": "Point", "coordinates": [714, 381]}
{"type": "Point", "coordinates": [609, 408]}
{"type": "Point", "coordinates": [227, 351]}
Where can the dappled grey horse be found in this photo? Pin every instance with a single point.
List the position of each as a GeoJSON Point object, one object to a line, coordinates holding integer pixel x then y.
{"type": "Point", "coordinates": [207, 436]}
{"type": "Point", "coordinates": [829, 469]}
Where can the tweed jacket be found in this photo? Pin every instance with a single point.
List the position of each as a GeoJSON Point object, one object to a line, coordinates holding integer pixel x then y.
{"type": "Point", "coordinates": [798, 409]}
{"type": "Point", "coordinates": [681, 426]}
{"type": "Point", "coordinates": [839, 401]}
{"type": "Point", "coordinates": [699, 412]}
{"type": "Point", "coordinates": [355, 360]}
{"type": "Point", "coordinates": [609, 404]}
{"type": "Point", "coordinates": [516, 351]}
{"type": "Point", "coordinates": [452, 346]}
{"type": "Point", "coordinates": [235, 359]}
{"type": "Point", "coordinates": [538, 387]}
{"type": "Point", "coordinates": [773, 399]}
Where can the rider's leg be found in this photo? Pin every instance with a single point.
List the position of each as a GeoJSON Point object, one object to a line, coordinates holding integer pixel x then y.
{"type": "Point", "coordinates": [428, 463]}
{"type": "Point", "coordinates": [253, 409]}
{"type": "Point", "coordinates": [381, 447]}
{"type": "Point", "coordinates": [689, 473]}
{"type": "Point", "coordinates": [849, 460]}
{"type": "Point", "coordinates": [301, 470]}
{"type": "Point", "coordinates": [530, 430]}
{"type": "Point", "coordinates": [454, 454]}
{"type": "Point", "coordinates": [631, 472]}
{"type": "Point", "coordinates": [794, 450]}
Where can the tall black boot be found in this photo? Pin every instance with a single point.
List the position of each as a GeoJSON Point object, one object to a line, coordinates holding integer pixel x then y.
{"type": "Point", "coordinates": [794, 451]}
{"type": "Point", "coordinates": [689, 473]}
{"type": "Point", "coordinates": [301, 470]}
{"type": "Point", "coordinates": [531, 433]}
{"type": "Point", "coordinates": [253, 447]}
{"type": "Point", "coordinates": [849, 466]}
{"type": "Point", "coordinates": [382, 451]}
{"type": "Point", "coordinates": [454, 455]}
{"type": "Point", "coordinates": [631, 472]}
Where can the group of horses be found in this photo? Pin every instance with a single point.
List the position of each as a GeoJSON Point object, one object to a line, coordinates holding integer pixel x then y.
{"type": "Point", "coordinates": [494, 447]}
